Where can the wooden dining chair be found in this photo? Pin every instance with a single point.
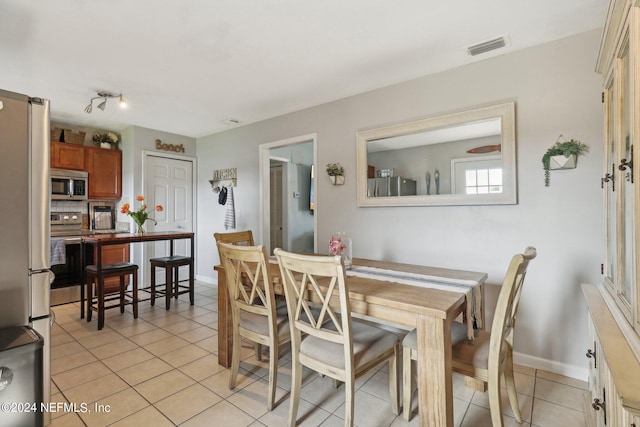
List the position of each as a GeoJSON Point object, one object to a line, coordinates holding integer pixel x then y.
{"type": "Point", "coordinates": [328, 340]}
{"type": "Point", "coordinates": [489, 354]}
{"type": "Point", "coordinates": [244, 237]}
{"type": "Point", "coordinates": [253, 309]}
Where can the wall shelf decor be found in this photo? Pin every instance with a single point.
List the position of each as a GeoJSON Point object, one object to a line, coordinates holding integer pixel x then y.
{"type": "Point", "coordinates": [224, 178]}
{"type": "Point", "coordinates": [562, 155]}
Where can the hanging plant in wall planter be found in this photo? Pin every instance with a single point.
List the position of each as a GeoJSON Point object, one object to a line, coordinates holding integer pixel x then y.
{"type": "Point", "coordinates": [562, 155]}
{"type": "Point", "coordinates": [336, 173]}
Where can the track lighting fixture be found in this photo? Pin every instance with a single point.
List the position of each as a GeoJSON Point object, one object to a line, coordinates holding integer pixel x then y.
{"type": "Point", "coordinates": [104, 96]}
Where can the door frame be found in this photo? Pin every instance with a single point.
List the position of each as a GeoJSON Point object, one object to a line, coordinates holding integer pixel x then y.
{"type": "Point", "coordinates": [140, 250]}
{"type": "Point", "coordinates": [265, 198]}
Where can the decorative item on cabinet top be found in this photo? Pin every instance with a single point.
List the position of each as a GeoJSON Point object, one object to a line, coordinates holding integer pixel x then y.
{"type": "Point", "coordinates": [336, 173]}
{"type": "Point", "coordinates": [67, 135]}
{"type": "Point", "coordinates": [106, 139]}
{"type": "Point", "coordinates": [562, 155]}
{"type": "Point", "coordinates": [224, 178]}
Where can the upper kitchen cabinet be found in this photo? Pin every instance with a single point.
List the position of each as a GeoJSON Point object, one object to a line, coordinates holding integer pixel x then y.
{"type": "Point", "coordinates": [67, 156]}
{"type": "Point", "coordinates": [105, 173]}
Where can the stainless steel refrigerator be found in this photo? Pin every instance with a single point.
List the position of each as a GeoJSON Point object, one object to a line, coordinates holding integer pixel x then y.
{"type": "Point", "coordinates": [25, 276]}
{"type": "Point", "coordinates": [390, 186]}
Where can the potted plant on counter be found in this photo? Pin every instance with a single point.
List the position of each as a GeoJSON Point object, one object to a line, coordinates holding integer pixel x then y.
{"type": "Point", "coordinates": [336, 173]}
{"type": "Point", "coordinates": [562, 155]}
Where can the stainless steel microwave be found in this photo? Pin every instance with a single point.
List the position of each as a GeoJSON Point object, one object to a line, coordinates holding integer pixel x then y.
{"type": "Point", "coordinates": [69, 184]}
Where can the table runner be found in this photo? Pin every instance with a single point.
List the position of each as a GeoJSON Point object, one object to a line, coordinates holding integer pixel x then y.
{"type": "Point", "coordinates": [470, 288]}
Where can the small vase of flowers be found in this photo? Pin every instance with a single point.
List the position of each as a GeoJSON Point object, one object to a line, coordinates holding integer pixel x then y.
{"type": "Point", "coordinates": [106, 140]}
{"type": "Point", "coordinates": [141, 215]}
{"type": "Point", "coordinates": [340, 244]}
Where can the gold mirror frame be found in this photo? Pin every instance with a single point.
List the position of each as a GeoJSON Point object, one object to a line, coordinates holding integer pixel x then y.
{"type": "Point", "coordinates": [505, 112]}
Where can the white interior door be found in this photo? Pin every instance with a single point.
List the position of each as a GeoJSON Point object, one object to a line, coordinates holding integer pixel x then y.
{"type": "Point", "coordinates": [169, 182]}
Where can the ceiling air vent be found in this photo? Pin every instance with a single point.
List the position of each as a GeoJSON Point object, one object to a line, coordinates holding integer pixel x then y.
{"type": "Point", "coordinates": [231, 122]}
{"type": "Point", "coordinates": [487, 46]}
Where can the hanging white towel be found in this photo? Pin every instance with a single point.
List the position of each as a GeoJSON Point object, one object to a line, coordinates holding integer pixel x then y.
{"type": "Point", "coordinates": [58, 251]}
{"type": "Point", "coordinates": [230, 213]}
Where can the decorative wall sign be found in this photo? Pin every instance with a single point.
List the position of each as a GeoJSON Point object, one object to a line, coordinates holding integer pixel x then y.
{"type": "Point", "coordinates": [169, 147]}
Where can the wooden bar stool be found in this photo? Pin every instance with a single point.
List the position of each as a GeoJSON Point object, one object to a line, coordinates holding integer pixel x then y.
{"type": "Point", "coordinates": [118, 269]}
{"type": "Point", "coordinates": [172, 264]}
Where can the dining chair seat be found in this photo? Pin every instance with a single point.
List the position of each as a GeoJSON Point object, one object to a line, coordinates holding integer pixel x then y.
{"type": "Point", "coordinates": [256, 323]}
{"type": "Point", "coordinates": [458, 334]}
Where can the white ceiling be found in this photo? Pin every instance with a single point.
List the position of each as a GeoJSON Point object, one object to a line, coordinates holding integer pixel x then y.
{"type": "Point", "coordinates": [185, 66]}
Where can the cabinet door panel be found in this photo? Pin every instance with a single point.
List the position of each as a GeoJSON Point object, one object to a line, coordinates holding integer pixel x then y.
{"type": "Point", "coordinates": [67, 156]}
{"type": "Point", "coordinates": [111, 254]}
{"type": "Point", "coordinates": [105, 173]}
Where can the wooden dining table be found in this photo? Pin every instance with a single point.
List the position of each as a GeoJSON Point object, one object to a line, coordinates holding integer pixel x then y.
{"type": "Point", "coordinates": [429, 310]}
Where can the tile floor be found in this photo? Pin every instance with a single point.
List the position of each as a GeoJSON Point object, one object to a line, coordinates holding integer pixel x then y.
{"type": "Point", "coordinates": [162, 370]}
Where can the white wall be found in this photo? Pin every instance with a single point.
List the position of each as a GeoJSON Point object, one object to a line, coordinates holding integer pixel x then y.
{"type": "Point", "coordinates": [556, 92]}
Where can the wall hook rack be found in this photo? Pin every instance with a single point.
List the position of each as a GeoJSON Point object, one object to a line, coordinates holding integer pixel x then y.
{"type": "Point", "coordinates": [224, 178]}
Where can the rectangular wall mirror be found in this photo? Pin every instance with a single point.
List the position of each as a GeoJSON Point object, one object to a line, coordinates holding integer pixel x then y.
{"type": "Point", "coordinates": [460, 158]}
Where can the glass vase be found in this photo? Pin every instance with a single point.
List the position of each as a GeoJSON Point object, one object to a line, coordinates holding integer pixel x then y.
{"type": "Point", "coordinates": [347, 250]}
{"type": "Point", "coordinates": [138, 228]}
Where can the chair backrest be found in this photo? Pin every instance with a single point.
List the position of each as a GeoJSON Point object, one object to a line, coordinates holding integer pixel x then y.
{"type": "Point", "coordinates": [249, 281]}
{"type": "Point", "coordinates": [236, 237]}
{"type": "Point", "coordinates": [319, 279]}
{"type": "Point", "coordinates": [507, 306]}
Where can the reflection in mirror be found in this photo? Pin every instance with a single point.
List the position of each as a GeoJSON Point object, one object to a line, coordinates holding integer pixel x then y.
{"type": "Point", "coordinates": [463, 158]}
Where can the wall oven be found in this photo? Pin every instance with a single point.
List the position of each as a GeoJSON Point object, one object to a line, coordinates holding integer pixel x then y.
{"type": "Point", "coordinates": [68, 184]}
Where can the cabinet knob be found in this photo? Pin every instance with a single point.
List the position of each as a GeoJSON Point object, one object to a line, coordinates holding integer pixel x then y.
{"type": "Point", "coordinates": [590, 354]}
{"type": "Point", "coordinates": [597, 405]}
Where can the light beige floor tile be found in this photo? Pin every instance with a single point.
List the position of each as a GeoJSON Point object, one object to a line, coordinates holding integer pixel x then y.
{"type": "Point", "coordinates": [80, 375]}
{"type": "Point", "coordinates": [57, 398]}
{"type": "Point", "coordinates": [198, 334]}
{"type": "Point", "coordinates": [320, 392]}
{"type": "Point", "coordinates": [181, 326]}
{"type": "Point", "coordinates": [144, 371]}
{"type": "Point", "coordinates": [95, 390]}
{"type": "Point", "coordinates": [98, 340]}
{"type": "Point", "coordinates": [219, 383]}
{"type": "Point", "coordinates": [148, 417]}
{"type": "Point", "coordinates": [524, 402]}
{"type": "Point", "coordinates": [148, 337]}
{"type": "Point", "coordinates": [334, 421]}
{"type": "Point", "coordinates": [67, 420]}
{"type": "Point", "coordinates": [184, 355]}
{"type": "Point", "coordinates": [80, 358]}
{"type": "Point", "coordinates": [137, 329]}
{"type": "Point", "coordinates": [308, 415]}
{"type": "Point", "coordinates": [115, 408]}
{"type": "Point", "coordinates": [127, 359]}
{"type": "Point", "coordinates": [65, 349]}
{"type": "Point", "coordinates": [207, 319]}
{"type": "Point", "coordinates": [166, 345]}
{"type": "Point", "coordinates": [547, 414]}
{"type": "Point", "coordinates": [560, 394]}
{"type": "Point", "coordinates": [253, 398]}
{"type": "Point", "coordinates": [61, 338]}
{"type": "Point", "coordinates": [369, 410]}
{"type": "Point", "coordinates": [224, 414]}
{"type": "Point", "coordinates": [209, 344]}
{"type": "Point", "coordinates": [573, 382]}
{"type": "Point", "coordinates": [166, 320]}
{"type": "Point", "coordinates": [202, 368]}
{"type": "Point", "coordinates": [478, 416]}
{"type": "Point", "coordinates": [163, 385]}
{"type": "Point", "coordinates": [187, 403]}
{"type": "Point", "coordinates": [113, 348]}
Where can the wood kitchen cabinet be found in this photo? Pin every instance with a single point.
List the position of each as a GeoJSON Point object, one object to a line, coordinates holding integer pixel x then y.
{"type": "Point", "coordinates": [67, 156]}
{"type": "Point", "coordinates": [105, 173]}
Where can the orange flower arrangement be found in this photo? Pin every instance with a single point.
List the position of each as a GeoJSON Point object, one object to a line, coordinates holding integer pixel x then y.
{"type": "Point", "coordinates": [141, 215]}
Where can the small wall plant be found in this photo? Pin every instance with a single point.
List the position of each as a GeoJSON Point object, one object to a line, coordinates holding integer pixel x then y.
{"type": "Point", "coordinates": [565, 148]}
{"type": "Point", "coordinates": [335, 169]}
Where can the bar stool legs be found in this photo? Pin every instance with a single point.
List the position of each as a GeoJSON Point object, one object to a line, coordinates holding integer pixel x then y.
{"type": "Point", "coordinates": [172, 265]}
{"type": "Point", "coordinates": [121, 270]}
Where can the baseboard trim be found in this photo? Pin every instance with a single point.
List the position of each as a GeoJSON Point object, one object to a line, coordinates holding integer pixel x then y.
{"type": "Point", "coordinates": [206, 279]}
{"type": "Point", "coordinates": [572, 371]}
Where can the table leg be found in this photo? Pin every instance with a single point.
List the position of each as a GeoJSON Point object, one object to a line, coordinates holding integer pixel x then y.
{"type": "Point", "coordinates": [225, 335]}
{"type": "Point", "coordinates": [435, 386]}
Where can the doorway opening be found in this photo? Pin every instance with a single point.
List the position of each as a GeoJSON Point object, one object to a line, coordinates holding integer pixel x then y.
{"type": "Point", "coordinates": [287, 213]}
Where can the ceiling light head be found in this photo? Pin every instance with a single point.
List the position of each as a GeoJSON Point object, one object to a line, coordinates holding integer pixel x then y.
{"type": "Point", "coordinates": [105, 96]}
